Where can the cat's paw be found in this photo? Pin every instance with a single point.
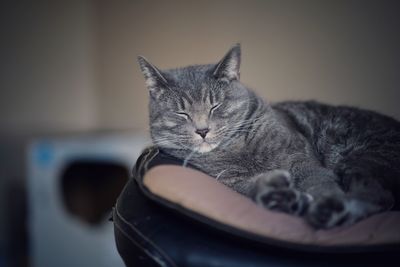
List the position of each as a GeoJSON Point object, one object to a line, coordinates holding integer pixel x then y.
{"type": "Point", "coordinates": [329, 212]}
{"type": "Point", "coordinates": [285, 200]}
{"type": "Point", "coordinates": [274, 191]}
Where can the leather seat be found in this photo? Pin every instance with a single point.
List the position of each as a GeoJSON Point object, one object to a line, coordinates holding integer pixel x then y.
{"type": "Point", "coordinates": [152, 231]}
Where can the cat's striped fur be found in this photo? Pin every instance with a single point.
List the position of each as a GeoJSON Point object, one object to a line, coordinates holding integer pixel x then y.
{"type": "Point", "coordinates": [333, 165]}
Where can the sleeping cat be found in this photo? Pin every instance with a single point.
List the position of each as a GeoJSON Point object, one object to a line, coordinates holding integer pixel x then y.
{"type": "Point", "coordinates": [332, 165]}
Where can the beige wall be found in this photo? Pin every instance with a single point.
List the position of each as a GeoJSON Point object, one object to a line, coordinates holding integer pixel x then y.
{"type": "Point", "coordinates": [340, 52]}
{"type": "Point", "coordinates": [48, 82]}
{"type": "Point", "coordinates": [71, 65]}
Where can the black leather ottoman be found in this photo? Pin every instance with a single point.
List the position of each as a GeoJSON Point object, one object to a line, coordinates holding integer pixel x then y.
{"type": "Point", "coordinates": [150, 231]}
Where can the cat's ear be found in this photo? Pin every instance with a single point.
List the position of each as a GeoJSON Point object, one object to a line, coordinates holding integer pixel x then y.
{"type": "Point", "coordinates": [153, 76]}
{"type": "Point", "coordinates": [229, 66]}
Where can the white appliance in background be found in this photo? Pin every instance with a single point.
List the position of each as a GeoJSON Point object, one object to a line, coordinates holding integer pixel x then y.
{"type": "Point", "coordinates": [58, 238]}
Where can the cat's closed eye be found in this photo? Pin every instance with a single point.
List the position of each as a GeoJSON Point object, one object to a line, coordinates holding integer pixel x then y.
{"type": "Point", "coordinates": [183, 115]}
{"type": "Point", "coordinates": [214, 108]}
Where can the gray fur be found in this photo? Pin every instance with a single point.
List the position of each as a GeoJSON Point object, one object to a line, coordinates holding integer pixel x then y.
{"type": "Point", "coordinates": [334, 165]}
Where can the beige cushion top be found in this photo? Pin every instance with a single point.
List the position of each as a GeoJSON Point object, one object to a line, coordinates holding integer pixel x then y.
{"type": "Point", "coordinates": [204, 195]}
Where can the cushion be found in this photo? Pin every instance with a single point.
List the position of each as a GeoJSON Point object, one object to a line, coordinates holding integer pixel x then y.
{"type": "Point", "coordinates": [202, 194]}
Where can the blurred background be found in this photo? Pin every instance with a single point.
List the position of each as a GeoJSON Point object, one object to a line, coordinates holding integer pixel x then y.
{"type": "Point", "coordinates": [73, 105]}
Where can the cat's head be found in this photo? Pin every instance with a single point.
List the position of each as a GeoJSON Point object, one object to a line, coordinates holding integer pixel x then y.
{"type": "Point", "coordinates": [196, 108]}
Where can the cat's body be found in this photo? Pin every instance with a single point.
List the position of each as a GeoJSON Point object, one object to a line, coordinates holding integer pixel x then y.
{"type": "Point", "coordinates": [333, 165]}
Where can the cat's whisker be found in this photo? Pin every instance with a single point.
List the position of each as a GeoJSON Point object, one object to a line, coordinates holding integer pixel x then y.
{"type": "Point", "coordinates": [231, 130]}
{"type": "Point", "coordinates": [241, 124]}
{"type": "Point", "coordinates": [186, 160]}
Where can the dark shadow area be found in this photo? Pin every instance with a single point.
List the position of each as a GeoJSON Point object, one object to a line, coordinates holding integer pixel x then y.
{"type": "Point", "coordinates": [17, 249]}
{"type": "Point", "coordinates": [90, 188]}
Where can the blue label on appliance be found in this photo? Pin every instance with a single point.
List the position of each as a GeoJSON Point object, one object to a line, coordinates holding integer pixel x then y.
{"type": "Point", "coordinates": [44, 154]}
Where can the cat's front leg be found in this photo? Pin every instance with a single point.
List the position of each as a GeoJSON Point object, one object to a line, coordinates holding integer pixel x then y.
{"type": "Point", "coordinates": [274, 190]}
{"type": "Point", "coordinates": [332, 206]}
{"type": "Point", "coordinates": [332, 211]}
{"type": "Point", "coordinates": [365, 196]}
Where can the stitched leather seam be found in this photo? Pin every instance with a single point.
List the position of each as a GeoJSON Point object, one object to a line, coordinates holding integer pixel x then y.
{"type": "Point", "coordinates": [146, 238]}
{"type": "Point", "coordinates": [148, 253]}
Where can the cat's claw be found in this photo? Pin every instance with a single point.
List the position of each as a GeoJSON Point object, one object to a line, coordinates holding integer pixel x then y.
{"type": "Point", "coordinates": [275, 192]}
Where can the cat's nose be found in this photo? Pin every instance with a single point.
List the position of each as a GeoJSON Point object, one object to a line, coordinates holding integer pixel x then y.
{"type": "Point", "coordinates": [202, 132]}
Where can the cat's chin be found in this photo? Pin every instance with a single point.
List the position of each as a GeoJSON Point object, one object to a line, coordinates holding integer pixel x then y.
{"type": "Point", "coordinates": [205, 147]}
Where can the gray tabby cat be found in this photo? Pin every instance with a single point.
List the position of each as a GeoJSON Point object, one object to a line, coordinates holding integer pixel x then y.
{"type": "Point", "coordinates": [332, 165]}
